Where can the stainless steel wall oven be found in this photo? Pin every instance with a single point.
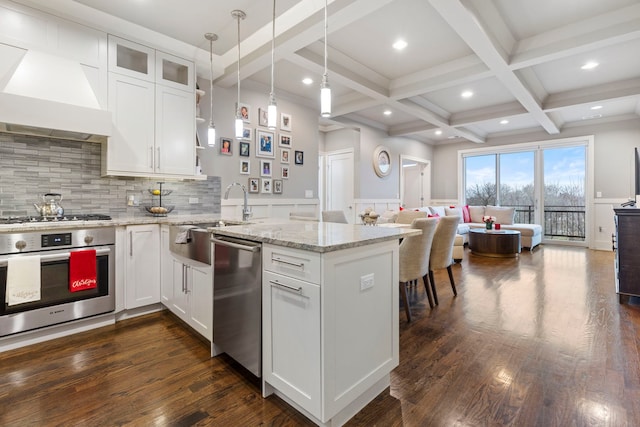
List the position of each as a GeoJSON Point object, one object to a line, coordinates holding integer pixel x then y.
{"type": "Point", "coordinates": [57, 301]}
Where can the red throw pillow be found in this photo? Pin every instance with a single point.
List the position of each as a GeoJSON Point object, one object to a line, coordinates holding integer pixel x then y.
{"type": "Point", "coordinates": [433, 216]}
{"type": "Point", "coordinates": [466, 216]}
{"type": "Point", "coordinates": [401, 208]}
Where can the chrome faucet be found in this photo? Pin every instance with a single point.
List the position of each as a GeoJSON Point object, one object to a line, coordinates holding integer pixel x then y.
{"type": "Point", "coordinates": [246, 212]}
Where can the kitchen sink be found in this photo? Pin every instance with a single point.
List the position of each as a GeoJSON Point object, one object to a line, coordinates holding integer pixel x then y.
{"type": "Point", "coordinates": [218, 223]}
{"type": "Point", "coordinates": [197, 246]}
{"type": "Point", "coordinates": [198, 243]}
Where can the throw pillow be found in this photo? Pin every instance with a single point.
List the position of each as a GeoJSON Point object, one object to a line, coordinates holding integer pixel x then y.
{"type": "Point", "coordinates": [437, 210]}
{"type": "Point", "coordinates": [503, 215]}
{"type": "Point", "coordinates": [433, 216]}
{"type": "Point", "coordinates": [476, 213]}
{"type": "Point", "coordinates": [454, 212]}
{"type": "Point", "coordinates": [466, 216]}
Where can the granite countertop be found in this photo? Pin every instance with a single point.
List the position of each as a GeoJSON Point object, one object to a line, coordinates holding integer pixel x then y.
{"type": "Point", "coordinates": [313, 236]}
{"type": "Point", "coordinates": [115, 222]}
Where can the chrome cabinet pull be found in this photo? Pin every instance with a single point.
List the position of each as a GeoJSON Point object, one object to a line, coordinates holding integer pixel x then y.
{"type": "Point", "coordinates": [130, 243]}
{"type": "Point", "coordinates": [295, 264]}
{"type": "Point", "coordinates": [158, 159]}
{"type": "Point", "coordinates": [297, 290]}
{"type": "Point", "coordinates": [59, 256]}
{"type": "Point", "coordinates": [151, 157]}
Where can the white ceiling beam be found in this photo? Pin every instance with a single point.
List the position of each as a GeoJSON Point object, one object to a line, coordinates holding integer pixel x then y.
{"type": "Point", "coordinates": [608, 92]}
{"type": "Point", "coordinates": [471, 30]}
{"type": "Point", "coordinates": [601, 31]}
{"type": "Point", "coordinates": [494, 112]}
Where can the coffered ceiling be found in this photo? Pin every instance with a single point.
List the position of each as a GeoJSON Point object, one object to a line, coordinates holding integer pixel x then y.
{"type": "Point", "coordinates": [521, 59]}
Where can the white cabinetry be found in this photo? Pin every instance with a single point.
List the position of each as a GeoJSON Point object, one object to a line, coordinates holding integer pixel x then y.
{"type": "Point", "coordinates": [330, 327]}
{"type": "Point", "coordinates": [152, 99]}
{"type": "Point", "coordinates": [187, 290]}
{"type": "Point", "coordinates": [142, 260]}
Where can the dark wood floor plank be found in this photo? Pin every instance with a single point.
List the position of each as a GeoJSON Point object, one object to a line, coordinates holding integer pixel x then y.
{"type": "Point", "coordinates": [538, 340]}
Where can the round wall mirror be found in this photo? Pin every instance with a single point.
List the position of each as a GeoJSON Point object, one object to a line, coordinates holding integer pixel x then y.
{"type": "Point", "coordinates": [382, 161]}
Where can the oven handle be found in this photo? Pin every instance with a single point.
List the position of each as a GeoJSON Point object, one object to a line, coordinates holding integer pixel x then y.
{"type": "Point", "coordinates": [102, 250]}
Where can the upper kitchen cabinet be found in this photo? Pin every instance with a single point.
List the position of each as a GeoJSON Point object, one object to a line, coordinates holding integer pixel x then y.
{"type": "Point", "coordinates": [175, 72]}
{"type": "Point", "coordinates": [152, 99]}
{"type": "Point", "coordinates": [132, 59]}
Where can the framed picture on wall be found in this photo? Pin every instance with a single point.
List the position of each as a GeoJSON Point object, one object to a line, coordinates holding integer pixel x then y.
{"type": "Point", "coordinates": [284, 155]}
{"type": "Point", "coordinates": [245, 148]}
{"type": "Point", "coordinates": [285, 172]}
{"type": "Point", "coordinates": [225, 145]}
{"type": "Point", "coordinates": [265, 145]}
{"type": "Point", "coordinates": [246, 134]}
{"type": "Point", "coordinates": [245, 110]}
{"type": "Point", "coordinates": [266, 185]}
{"type": "Point", "coordinates": [299, 157]}
{"type": "Point", "coordinates": [245, 167]}
{"type": "Point", "coordinates": [285, 140]}
{"type": "Point", "coordinates": [263, 117]}
{"type": "Point", "coordinates": [266, 167]}
{"type": "Point", "coordinates": [254, 185]}
{"type": "Point", "coordinates": [285, 122]}
{"type": "Point", "coordinates": [277, 186]}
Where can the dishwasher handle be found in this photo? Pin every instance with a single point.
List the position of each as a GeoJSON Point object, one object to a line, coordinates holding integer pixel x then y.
{"type": "Point", "coordinates": [235, 245]}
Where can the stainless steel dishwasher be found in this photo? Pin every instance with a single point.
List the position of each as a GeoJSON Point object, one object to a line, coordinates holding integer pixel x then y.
{"type": "Point", "coordinates": [237, 301]}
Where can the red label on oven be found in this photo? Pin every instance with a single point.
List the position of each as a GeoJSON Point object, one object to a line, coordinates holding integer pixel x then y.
{"type": "Point", "coordinates": [82, 270]}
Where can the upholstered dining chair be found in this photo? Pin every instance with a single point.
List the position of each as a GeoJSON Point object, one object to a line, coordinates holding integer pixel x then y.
{"type": "Point", "coordinates": [303, 216]}
{"type": "Point", "coordinates": [414, 258]}
{"type": "Point", "coordinates": [334, 216]}
{"type": "Point", "coordinates": [442, 251]}
{"type": "Point", "coordinates": [407, 217]}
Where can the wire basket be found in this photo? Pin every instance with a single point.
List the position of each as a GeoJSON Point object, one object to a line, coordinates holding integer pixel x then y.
{"type": "Point", "coordinates": [159, 210]}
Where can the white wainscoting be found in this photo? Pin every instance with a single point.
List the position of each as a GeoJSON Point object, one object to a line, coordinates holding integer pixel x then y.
{"type": "Point", "coordinates": [268, 208]}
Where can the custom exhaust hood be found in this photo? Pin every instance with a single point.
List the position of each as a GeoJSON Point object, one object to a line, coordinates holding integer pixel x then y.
{"type": "Point", "coordinates": [51, 97]}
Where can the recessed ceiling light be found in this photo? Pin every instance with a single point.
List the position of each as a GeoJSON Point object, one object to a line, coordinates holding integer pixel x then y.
{"type": "Point", "coordinates": [400, 44]}
{"type": "Point", "coordinates": [466, 94]}
{"type": "Point", "coordinates": [596, 107]}
{"type": "Point", "coordinates": [504, 122]}
{"type": "Point", "coordinates": [307, 80]}
{"type": "Point", "coordinates": [438, 132]}
{"type": "Point", "coordinates": [589, 65]}
{"type": "Point", "coordinates": [452, 137]}
{"type": "Point", "coordinates": [387, 112]}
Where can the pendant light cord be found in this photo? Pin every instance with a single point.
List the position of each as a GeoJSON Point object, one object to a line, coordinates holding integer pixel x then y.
{"type": "Point", "coordinates": [325, 37]}
{"type": "Point", "coordinates": [211, 80]}
{"type": "Point", "coordinates": [273, 46]}
{"type": "Point", "coordinates": [239, 114]}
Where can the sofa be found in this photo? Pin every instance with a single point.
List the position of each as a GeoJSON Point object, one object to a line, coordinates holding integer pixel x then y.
{"type": "Point", "coordinates": [458, 243]}
{"type": "Point", "coordinates": [471, 217]}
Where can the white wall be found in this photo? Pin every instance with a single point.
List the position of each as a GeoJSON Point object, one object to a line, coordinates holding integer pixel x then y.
{"type": "Point", "coordinates": [304, 134]}
{"type": "Point", "coordinates": [613, 146]}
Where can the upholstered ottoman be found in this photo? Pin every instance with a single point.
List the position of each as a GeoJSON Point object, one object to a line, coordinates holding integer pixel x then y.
{"type": "Point", "coordinates": [458, 248]}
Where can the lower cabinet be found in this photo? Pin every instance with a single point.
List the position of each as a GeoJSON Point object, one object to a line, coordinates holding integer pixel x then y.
{"type": "Point", "coordinates": [187, 290]}
{"type": "Point", "coordinates": [291, 309]}
{"type": "Point", "coordinates": [330, 327]}
{"type": "Point", "coordinates": [142, 258]}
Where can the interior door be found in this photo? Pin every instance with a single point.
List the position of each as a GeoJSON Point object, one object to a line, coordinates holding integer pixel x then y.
{"type": "Point", "coordinates": [415, 182]}
{"type": "Point", "coordinates": [339, 183]}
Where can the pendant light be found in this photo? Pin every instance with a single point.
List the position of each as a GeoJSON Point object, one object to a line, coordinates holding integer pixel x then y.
{"type": "Point", "coordinates": [238, 15]}
{"type": "Point", "coordinates": [272, 109]}
{"type": "Point", "coordinates": [211, 134]}
{"type": "Point", "coordinates": [325, 90]}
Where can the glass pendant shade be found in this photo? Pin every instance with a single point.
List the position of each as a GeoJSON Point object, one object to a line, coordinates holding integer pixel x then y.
{"type": "Point", "coordinates": [211, 135]}
{"type": "Point", "coordinates": [272, 114]}
{"type": "Point", "coordinates": [239, 127]}
{"type": "Point", "coordinates": [325, 99]}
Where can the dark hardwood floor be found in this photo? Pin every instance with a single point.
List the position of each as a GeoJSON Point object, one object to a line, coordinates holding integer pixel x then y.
{"type": "Point", "coordinates": [540, 340]}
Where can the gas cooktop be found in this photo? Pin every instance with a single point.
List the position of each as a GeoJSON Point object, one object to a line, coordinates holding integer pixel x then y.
{"type": "Point", "coordinates": [64, 218]}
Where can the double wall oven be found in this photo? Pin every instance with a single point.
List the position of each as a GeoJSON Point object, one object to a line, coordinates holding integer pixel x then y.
{"type": "Point", "coordinates": [59, 297]}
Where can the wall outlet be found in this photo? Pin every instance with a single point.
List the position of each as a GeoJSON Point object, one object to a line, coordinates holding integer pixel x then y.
{"type": "Point", "coordinates": [598, 193]}
{"type": "Point", "coordinates": [366, 281]}
{"type": "Point", "coordinates": [308, 194]}
{"type": "Point", "coordinates": [193, 200]}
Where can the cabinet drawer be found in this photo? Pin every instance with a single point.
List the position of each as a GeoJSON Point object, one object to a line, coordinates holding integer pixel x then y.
{"type": "Point", "coordinates": [292, 262]}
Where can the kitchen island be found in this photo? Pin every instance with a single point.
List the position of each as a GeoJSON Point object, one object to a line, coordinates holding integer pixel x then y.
{"type": "Point", "coordinates": [329, 313]}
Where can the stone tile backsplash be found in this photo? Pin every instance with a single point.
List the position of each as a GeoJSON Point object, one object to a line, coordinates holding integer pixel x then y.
{"type": "Point", "coordinates": [31, 167]}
